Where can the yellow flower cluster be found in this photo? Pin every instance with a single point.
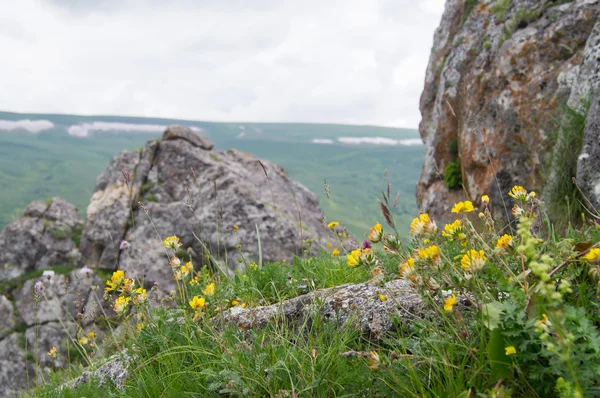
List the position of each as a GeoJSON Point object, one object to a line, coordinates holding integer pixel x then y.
{"type": "Point", "coordinates": [360, 257]}
{"type": "Point", "coordinates": [473, 260]}
{"type": "Point", "coordinates": [88, 339]}
{"type": "Point", "coordinates": [376, 233]}
{"type": "Point", "coordinates": [593, 254]}
{"type": "Point", "coordinates": [126, 287]}
{"type": "Point", "coordinates": [449, 303]}
{"type": "Point", "coordinates": [407, 267]}
{"type": "Point", "coordinates": [455, 231]}
{"type": "Point", "coordinates": [504, 242]}
{"type": "Point", "coordinates": [422, 225]}
{"type": "Point", "coordinates": [463, 207]}
{"type": "Point", "coordinates": [333, 224]}
{"type": "Point", "coordinates": [172, 242]}
{"type": "Point", "coordinates": [335, 252]}
{"type": "Point", "coordinates": [429, 253]}
{"type": "Point", "coordinates": [520, 194]}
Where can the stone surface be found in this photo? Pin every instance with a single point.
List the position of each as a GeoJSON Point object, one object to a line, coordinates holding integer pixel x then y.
{"type": "Point", "coordinates": [188, 190]}
{"type": "Point", "coordinates": [358, 304]}
{"type": "Point", "coordinates": [495, 83]}
{"type": "Point", "coordinates": [63, 297]}
{"type": "Point", "coordinates": [42, 338]}
{"type": "Point", "coordinates": [13, 367]}
{"type": "Point", "coordinates": [191, 136]}
{"type": "Point", "coordinates": [588, 165]}
{"type": "Point", "coordinates": [113, 370]}
{"type": "Point", "coordinates": [39, 239]}
{"type": "Point", "coordinates": [7, 319]}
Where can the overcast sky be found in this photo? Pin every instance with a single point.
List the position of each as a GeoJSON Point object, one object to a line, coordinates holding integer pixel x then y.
{"type": "Point", "coordinates": [347, 61]}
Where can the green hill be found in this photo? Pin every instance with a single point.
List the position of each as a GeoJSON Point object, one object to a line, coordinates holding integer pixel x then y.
{"type": "Point", "coordinates": [55, 163]}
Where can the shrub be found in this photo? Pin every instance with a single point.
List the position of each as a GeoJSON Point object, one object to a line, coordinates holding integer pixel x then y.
{"type": "Point", "coordinates": [500, 7]}
{"type": "Point", "coordinates": [453, 175]}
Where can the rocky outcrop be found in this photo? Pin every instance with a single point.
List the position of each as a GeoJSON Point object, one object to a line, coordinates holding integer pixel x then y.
{"type": "Point", "coordinates": [40, 239]}
{"type": "Point", "coordinates": [588, 165]}
{"type": "Point", "coordinates": [359, 306]}
{"type": "Point", "coordinates": [178, 186]}
{"type": "Point", "coordinates": [498, 74]}
{"type": "Point", "coordinates": [40, 308]}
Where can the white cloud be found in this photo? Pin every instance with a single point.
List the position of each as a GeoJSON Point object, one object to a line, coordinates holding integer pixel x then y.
{"type": "Point", "coordinates": [32, 126]}
{"type": "Point", "coordinates": [351, 61]}
{"type": "Point", "coordinates": [84, 129]}
{"type": "Point", "coordinates": [379, 141]}
{"type": "Point", "coordinates": [322, 141]}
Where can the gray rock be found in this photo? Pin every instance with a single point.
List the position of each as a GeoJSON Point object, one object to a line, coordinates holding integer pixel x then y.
{"type": "Point", "coordinates": [14, 368]}
{"type": "Point", "coordinates": [358, 304]}
{"type": "Point", "coordinates": [39, 239]}
{"type": "Point", "coordinates": [588, 165]}
{"type": "Point", "coordinates": [42, 338]}
{"type": "Point", "coordinates": [185, 133]}
{"type": "Point", "coordinates": [7, 319]}
{"type": "Point", "coordinates": [186, 191]}
{"type": "Point", "coordinates": [63, 298]}
{"type": "Point", "coordinates": [114, 370]}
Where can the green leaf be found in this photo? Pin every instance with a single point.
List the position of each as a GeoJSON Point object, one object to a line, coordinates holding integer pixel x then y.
{"type": "Point", "coordinates": [499, 361]}
{"type": "Point", "coordinates": [491, 314]}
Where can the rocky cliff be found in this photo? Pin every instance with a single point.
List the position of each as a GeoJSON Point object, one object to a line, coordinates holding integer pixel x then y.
{"type": "Point", "coordinates": [173, 186]}
{"type": "Point", "coordinates": [498, 75]}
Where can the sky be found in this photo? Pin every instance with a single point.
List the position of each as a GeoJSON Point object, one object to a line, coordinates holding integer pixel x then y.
{"type": "Point", "coordinates": [324, 61]}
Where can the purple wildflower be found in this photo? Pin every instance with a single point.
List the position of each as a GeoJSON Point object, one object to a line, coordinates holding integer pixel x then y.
{"type": "Point", "coordinates": [124, 245]}
{"type": "Point", "coordinates": [366, 245]}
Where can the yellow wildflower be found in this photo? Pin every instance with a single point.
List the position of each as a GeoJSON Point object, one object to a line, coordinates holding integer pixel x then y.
{"type": "Point", "coordinates": [422, 225]}
{"type": "Point", "coordinates": [52, 353]}
{"type": "Point", "coordinates": [235, 228]}
{"type": "Point", "coordinates": [175, 261]}
{"type": "Point", "coordinates": [140, 326]}
{"type": "Point", "coordinates": [518, 193]}
{"type": "Point", "coordinates": [426, 241]}
{"type": "Point", "coordinates": [335, 252]}
{"type": "Point", "coordinates": [172, 242]}
{"type": "Point", "coordinates": [91, 335]}
{"type": "Point", "coordinates": [328, 245]}
{"type": "Point", "coordinates": [463, 207]}
{"type": "Point", "coordinates": [235, 302]}
{"type": "Point", "coordinates": [209, 290]}
{"type": "Point", "coordinates": [485, 199]}
{"type": "Point", "coordinates": [473, 261]}
{"type": "Point", "coordinates": [353, 258]}
{"type": "Point", "coordinates": [449, 303]}
{"type": "Point", "coordinates": [244, 305]}
{"type": "Point", "coordinates": [333, 224]}
{"type": "Point", "coordinates": [593, 254]}
{"type": "Point", "coordinates": [376, 233]}
{"type": "Point", "coordinates": [504, 241]}
{"type": "Point", "coordinates": [517, 210]}
{"type": "Point", "coordinates": [197, 303]}
{"type": "Point", "coordinates": [83, 340]}
{"type": "Point", "coordinates": [453, 230]}
{"type": "Point", "coordinates": [407, 267]}
{"type": "Point", "coordinates": [374, 360]}
{"type": "Point", "coordinates": [194, 281]}
{"type": "Point", "coordinates": [140, 296]}
{"type": "Point", "coordinates": [128, 285]}
{"type": "Point", "coordinates": [115, 280]}
{"type": "Point", "coordinates": [186, 269]}
{"type": "Point", "coordinates": [431, 252]}
{"type": "Point", "coordinates": [510, 350]}
{"type": "Point", "coordinates": [121, 304]}
{"type": "Point", "coordinates": [382, 298]}
{"type": "Point", "coordinates": [239, 246]}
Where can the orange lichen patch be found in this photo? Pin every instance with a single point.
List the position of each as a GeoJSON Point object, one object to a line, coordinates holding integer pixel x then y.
{"type": "Point", "coordinates": [482, 8]}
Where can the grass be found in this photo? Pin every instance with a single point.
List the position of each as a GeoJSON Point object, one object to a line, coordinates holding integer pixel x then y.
{"type": "Point", "coordinates": [564, 200]}
{"type": "Point", "coordinates": [507, 335]}
{"type": "Point", "coordinates": [500, 7]}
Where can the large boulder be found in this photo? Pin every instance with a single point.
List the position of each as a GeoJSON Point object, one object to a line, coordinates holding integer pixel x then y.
{"type": "Point", "coordinates": [495, 84]}
{"type": "Point", "coordinates": [41, 238]}
{"type": "Point", "coordinates": [178, 186]}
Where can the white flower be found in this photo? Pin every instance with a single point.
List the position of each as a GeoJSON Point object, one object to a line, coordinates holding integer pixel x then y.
{"type": "Point", "coordinates": [48, 274]}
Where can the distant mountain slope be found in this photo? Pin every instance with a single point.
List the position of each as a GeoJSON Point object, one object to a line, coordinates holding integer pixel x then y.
{"type": "Point", "coordinates": [53, 162]}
